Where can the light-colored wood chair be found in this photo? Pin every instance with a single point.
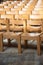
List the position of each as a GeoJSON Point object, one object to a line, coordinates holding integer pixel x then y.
{"type": "Point", "coordinates": [37, 17]}
{"type": "Point", "coordinates": [11, 35]}
{"type": "Point", "coordinates": [31, 36]}
{"type": "Point", "coordinates": [23, 17]}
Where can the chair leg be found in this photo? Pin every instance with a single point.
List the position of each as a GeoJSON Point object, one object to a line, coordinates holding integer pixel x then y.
{"type": "Point", "coordinates": [38, 46]}
{"type": "Point", "coordinates": [19, 45]}
{"type": "Point", "coordinates": [9, 43]}
{"type": "Point", "coordinates": [25, 42]}
{"type": "Point", "coordinates": [1, 42]}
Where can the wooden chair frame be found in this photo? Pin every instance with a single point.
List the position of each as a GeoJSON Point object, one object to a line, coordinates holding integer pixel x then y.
{"type": "Point", "coordinates": [12, 35]}
{"type": "Point", "coordinates": [26, 36]}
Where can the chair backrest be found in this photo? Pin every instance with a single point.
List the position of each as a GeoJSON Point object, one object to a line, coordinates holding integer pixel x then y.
{"type": "Point", "coordinates": [34, 25]}
{"type": "Point", "coordinates": [6, 9]}
{"type": "Point", "coordinates": [36, 16]}
{"type": "Point", "coordinates": [17, 24]}
{"type": "Point", "coordinates": [8, 16]}
{"type": "Point", "coordinates": [12, 12]}
{"type": "Point", "coordinates": [1, 6]}
{"type": "Point", "coordinates": [22, 16]}
{"type": "Point", "coordinates": [40, 12]}
{"type": "Point", "coordinates": [10, 6]}
{"type": "Point", "coordinates": [5, 22]}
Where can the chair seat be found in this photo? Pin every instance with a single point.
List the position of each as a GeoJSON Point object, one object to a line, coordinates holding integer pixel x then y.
{"type": "Point", "coordinates": [30, 34]}
{"type": "Point", "coordinates": [11, 35]}
{"type": "Point", "coordinates": [34, 34]}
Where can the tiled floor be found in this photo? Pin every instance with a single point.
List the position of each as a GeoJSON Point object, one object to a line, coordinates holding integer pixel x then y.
{"type": "Point", "coordinates": [10, 56]}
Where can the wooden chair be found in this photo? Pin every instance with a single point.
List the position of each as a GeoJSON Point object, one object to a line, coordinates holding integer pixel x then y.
{"type": "Point", "coordinates": [23, 17]}
{"type": "Point", "coordinates": [39, 17]}
{"type": "Point", "coordinates": [31, 36]}
{"type": "Point", "coordinates": [11, 35]}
